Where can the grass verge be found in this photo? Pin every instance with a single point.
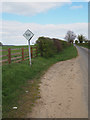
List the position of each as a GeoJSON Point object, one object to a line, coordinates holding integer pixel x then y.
{"type": "Point", "coordinates": [17, 78]}
{"type": "Point", "coordinates": [86, 45]}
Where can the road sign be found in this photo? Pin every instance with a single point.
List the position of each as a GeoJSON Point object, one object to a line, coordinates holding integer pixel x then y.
{"type": "Point", "coordinates": [28, 35]}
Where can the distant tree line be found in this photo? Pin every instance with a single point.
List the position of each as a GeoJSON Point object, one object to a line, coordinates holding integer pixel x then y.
{"type": "Point", "coordinates": [70, 37]}
{"type": "Point", "coordinates": [82, 39]}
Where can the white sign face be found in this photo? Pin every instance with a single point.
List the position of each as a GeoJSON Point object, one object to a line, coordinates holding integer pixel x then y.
{"type": "Point", "coordinates": [28, 34]}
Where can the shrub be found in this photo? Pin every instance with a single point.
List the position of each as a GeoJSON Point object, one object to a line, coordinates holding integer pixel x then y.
{"type": "Point", "coordinates": [65, 44]}
{"type": "Point", "coordinates": [76, 41]}
{"type": "Point", "coordinates": [57, 44]}
{"type": "Point", "coordinates": [46, 47]}
{"type": "Point", "coordinates": [1, 44]}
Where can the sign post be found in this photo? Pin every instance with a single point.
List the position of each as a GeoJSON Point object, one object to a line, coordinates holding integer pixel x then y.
{"type": "Point", "coordinates": [28, 35]}
{"type": "Point", "coordinates": [29, 52]}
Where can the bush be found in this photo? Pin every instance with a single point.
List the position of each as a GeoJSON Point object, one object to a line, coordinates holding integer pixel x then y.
{"type": "Point", "coordinates": [65, 44]}
{"type": "Point", "coordinates": [76, 41]}
{"type": "Point", "coordinates": [1, 44]}
{"type": "Point", "coordinates": [57, 44]}
{"type": "Point", "coordinates": [46, 47]}
{"type": "Point", "coordinates": [49, 47]}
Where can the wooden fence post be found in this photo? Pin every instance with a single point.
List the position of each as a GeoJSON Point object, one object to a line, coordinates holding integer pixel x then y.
{"type": "Point", "coordinates": [36, 51]}
{"type": "Point", "coordinates": [22, 54]}
{"type": "Point", "coordinates": [31, 52]}
{"type": "Point", "coordinates": [9, 55]}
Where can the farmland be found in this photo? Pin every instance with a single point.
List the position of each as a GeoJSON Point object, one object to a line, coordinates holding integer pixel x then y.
{"type": "Point", "coordinates": [17, 53]}
{"type": "Point", "coordinates": [19, 77]}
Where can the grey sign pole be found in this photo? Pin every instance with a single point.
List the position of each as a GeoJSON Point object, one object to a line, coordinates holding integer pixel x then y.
{"type": "Point", "coordinates": [28, 35]}
{"type": "Point", "coordinates": [29, 52]}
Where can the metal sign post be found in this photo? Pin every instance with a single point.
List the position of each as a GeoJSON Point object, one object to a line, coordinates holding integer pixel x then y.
{"type": "Point", "coordinates": [28, 35]}
{"type": "Point", "coordinates": [29, 52]}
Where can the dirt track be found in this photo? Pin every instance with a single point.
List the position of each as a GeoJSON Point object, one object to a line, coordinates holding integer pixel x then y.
{"type": "Point", "coordinates": [62, 94]}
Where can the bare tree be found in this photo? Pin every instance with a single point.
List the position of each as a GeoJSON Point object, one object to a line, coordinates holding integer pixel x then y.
{"type": "Point", "coordinates": [70, 36]}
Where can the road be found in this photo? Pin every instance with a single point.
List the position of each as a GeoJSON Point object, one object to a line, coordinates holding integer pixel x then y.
{"type": "Point", "coordinates": [83, 61]}
{"type": "Point", "coordinates": [64, 90]}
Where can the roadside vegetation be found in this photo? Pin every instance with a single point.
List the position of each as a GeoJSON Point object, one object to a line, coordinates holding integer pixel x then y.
{"type": "Point", "coordinates": [86, 45]}
{"type": "Point", "coordinates": [82, 41]}
{"type": "Point", "coordinates": [20, 82]}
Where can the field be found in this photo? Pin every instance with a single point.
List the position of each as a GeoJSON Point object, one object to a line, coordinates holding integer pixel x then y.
{"type": "Point", "coordinates": [17, 53]}
{"type": "Point", "coordinates": [17, 78]}
{"type": "Point", "coordinates": [12, 47]}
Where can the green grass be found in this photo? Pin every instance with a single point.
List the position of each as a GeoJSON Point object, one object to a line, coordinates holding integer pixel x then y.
{"type": "Point", "coordinates": [16, 51]}
{"type": "Point", "coordinates": [18, 77]}
{"type": "Point", "coordinates": [86, 45]}
{"type": "Point", "coordinates": [12, 47]}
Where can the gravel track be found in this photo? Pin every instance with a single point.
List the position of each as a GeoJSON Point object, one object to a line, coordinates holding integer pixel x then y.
{"type": "Point", "coordinates": [62, 93]}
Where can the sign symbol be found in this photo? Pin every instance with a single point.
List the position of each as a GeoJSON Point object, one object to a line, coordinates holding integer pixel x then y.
{"type": "Point", "coordinates": [28, 35]}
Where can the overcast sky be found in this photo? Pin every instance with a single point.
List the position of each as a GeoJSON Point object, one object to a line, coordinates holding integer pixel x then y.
{"type": "Point", "coordinates": [50, 19]}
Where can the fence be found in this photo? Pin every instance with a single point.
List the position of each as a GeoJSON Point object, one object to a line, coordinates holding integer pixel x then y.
{"type": "Point", "coordinates": [16, 55]}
